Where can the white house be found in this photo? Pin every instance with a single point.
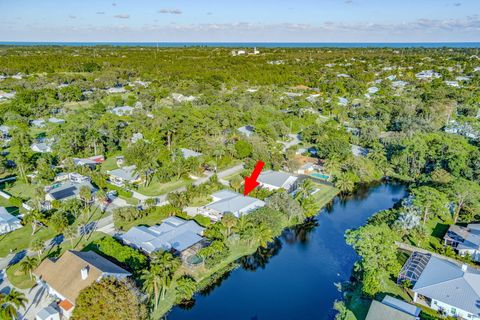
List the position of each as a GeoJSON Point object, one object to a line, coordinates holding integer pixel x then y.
{"type": "Point", "coordinates": [124, 175]}
{"type": "Point", "coordinates": [464, 240]}
{"type": "Point", "coordinates": [8, 222]}
{"type": "Point", "coordinates": [450, 288]}
{"type": "Point", "coordinates": [274, 180]}
{"type": "Point", "coordinates": [225, 201]}
{"type": "Point", "coordinates": [122, 111]}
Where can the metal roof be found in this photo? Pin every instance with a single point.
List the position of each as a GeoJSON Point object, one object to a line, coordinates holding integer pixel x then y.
{"type": "Point", "coordinates": [380, 311]}
{"type": "Point", "coordinates": [173, 233]}
{"type": "Point", "coordinates": [125, 173]}
{"type": "Point", "coordinates": [274, 178]}
{"type": "Point", "coordinates": [445, 281]}
{"type": "Point", "coordinates": [234, 202]}
{"type": "Point", "coordinates": [6, 217]}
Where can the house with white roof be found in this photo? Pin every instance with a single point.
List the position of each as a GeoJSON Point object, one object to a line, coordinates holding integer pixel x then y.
{"type": "Point", "coordinates": [118, 89]}
{"type": "Point", "coordinates": [465, 240]}
{"type": "Point", "coordinates": [4, 132]}
{"type": "Point", "coordinates": [56, 120]}
{"type": "Point", "coordinates": [122, 111]}
{"type": "Point", "coordinates": [42, 147]}
{"type": "Point", "coordinates": [122, 176]}
{"type": "Point", "coordinates": [70, 189]}
{"type": "Point", "coordinates": [427, 74]}
{"type": "Point", "coordinates": [274, 180]}
{"type": "Point", "coordinates": [39, 123]}
{"type": "Point", "coordinates": [173, 234]}
{"type": "Point", "coordinates": [226, 201]}
{"type": "Point", "coordinates": [443, 285]}
{"type": "Point", "coordinates": [90, 162]}
{"type": "Point", "coordinates": [8, 222]}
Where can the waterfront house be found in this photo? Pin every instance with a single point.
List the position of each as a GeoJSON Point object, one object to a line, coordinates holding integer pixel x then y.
{"type": "Point", "coordinates": [122, 176]}
{"type": "Point", "coordinates": [225, 201]}
{"type": "Point", "coordinates": [65, 277]}
{"type": "Point", "coordinates": [274, 180]}
{"type": "Point", "coordinates": [173, 234]}
{"type": "Point", "coordinates": [8, 222]}
{"type": "Point", "coordinates": [465, 240]}
{"type": "Point", "coordinates": [392, 309]}
{"type": "Point", "coordinates": [444, 285]}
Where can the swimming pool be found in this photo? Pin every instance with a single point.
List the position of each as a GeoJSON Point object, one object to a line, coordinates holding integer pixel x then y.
{"type": "Point", "coordinates": [320, 176]}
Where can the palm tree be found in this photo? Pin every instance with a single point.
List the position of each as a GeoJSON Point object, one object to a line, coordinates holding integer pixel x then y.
{"type": "Point", "coordinates": [11, 302]}
{"type": "Point", "coordinates": [229, 221]}
{"type": "Point", "coordinates": [28, 264]}
{"type": "Point", "coordinates": [37, 245]}
{"type": "Point", "coordinates": [151, 283]}
{"type": "Point", "coordinates": [167, 264]}
{"type": "Point", "coordinates": [34, 217]}
{"type": "Point", "coordinates": [344, 183]}
{"type": "Point", "coordinates": [263, 235]}
{"type": "Point", "coordinates": [85, 194]}
{"type": "Point", "coordinates": [186, 287]}
{"type": "Point", "coordinates": [70, 233]}
{"type": "Point", "coordinates": [243, 225]}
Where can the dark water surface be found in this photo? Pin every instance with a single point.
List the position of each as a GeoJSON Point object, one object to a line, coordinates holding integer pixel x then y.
{"type": "Point", "coordinates": [296, 278]}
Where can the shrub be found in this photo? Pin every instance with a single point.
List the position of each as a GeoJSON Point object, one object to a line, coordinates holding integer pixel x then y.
{"type": "Point", "coordinates": [127, 256]}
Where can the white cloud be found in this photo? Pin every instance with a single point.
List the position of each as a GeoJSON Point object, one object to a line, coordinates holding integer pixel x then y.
{"type": "Point", "coordinates": [122, 16]}
{"type": "Point", "coordinates": [170, 11]}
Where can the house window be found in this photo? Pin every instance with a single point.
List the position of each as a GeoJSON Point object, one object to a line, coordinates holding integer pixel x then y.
{"type": "Point", "coordinates": [453, 311]}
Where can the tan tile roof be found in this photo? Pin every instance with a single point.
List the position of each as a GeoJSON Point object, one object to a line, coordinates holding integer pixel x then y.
{"type": "Point", "coordinates": [64, 275]}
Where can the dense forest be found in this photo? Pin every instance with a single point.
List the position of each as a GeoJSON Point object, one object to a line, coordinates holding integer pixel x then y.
{"type": "Point", "coordinates": [367, 114]}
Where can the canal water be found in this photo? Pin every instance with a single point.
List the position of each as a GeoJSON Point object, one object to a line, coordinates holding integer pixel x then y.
{"type": "Point", "coordinates": [295, 279]}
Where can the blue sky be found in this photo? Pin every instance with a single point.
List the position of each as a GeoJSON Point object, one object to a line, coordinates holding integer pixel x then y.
{"type": "Point", "coordinates": [240, 21]}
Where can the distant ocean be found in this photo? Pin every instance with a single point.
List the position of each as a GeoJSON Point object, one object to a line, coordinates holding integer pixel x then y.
{"type": "Point", "coordinates": [256, 44]}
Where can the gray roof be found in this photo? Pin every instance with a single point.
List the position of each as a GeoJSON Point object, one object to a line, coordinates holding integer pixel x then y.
{"type": "Point", "coordinates": [99, 262]}
{"type": "Point", "coordinates": [187, 153]}
{"type": "Point", "coordinates": [46, 313]}
{"type": "Point", "coordinates": [234, 202]}
{"type": "Point", "coordinates": [125, 173]}
{"type": "Point", "coordinates": [274, 178]}
{"type": "Point", "coordinates": [6, 217]}
{"type": "Point", "coordinates": [401, 305]}
{"type": "Point", "coordinates": [380, 311]}
{"type": "Point", "coordinates": [246, 130]}
{"type": "Point", "coordinates": [69, 190]}
{"type": "Point", "coordinates": [173, 233]}
{"type": "Point", "coordinates": [445, 281]}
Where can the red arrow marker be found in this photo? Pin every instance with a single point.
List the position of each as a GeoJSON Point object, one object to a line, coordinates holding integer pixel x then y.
{"type": "Point", "coordinates": [251, 182]}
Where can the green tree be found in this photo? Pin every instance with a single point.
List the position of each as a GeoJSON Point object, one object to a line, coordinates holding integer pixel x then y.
{"type": "Point", "coordinates": [430, 199]}
{"type": "Point", "coordinates": [109, 299]}
{"type": "Point", "coordinates": [11, 302]}
{"type": "Point", "coordinates": [185, 288]}
{"type": "Point", "coordinates": [27, 265]}
{"type": "Point", "coordinates": [37, 245]}
{"type": "Point", "coordinates": [376, 246]}
{"type": "Point", "coordinates": [229, 221]}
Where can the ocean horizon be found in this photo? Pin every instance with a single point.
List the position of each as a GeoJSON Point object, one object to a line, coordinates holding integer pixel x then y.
{"type": "Point", "coordinates": [253, 44]}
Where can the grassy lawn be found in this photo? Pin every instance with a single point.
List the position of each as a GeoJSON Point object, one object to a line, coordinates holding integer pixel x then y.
{"type": "Point", "coordinates": [151, 219]}
{"type": "Point", "coordinates": [19, 189]}
{"type": "Point", "coordinates": [200, 201]}
{"type": "Point", "coordinates": [325, 194]}
{"type": "Point", "coordinates": [20, 239]}
{"type": "Point", "coordinates": [109, 164]}
{"type": "Point", "coordinates": [18, 278]}
{"type": "Point", "coordinates": [22, 281]}
{"type": "Point", "coordinates": [156, 188]}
